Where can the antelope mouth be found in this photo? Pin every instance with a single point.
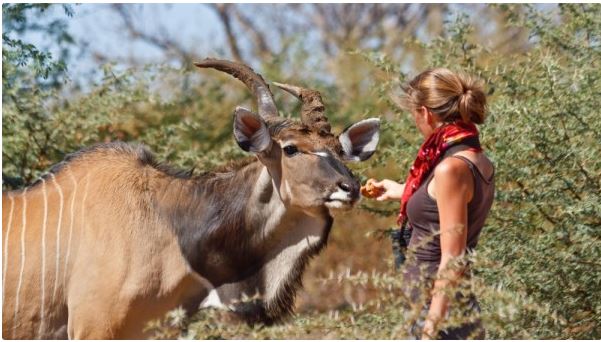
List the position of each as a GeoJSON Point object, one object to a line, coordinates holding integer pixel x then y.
{"type": "Point", "coordinates": [341, 199]}
{"type": "Point", "coordinates": [339, 204]}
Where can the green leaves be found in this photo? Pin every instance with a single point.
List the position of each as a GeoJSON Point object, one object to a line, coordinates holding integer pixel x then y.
{"type": "Point", "coordinates": [23, 57]}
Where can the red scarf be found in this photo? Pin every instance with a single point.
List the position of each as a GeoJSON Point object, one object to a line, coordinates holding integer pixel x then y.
{"type": "Point", "coordinates": [429, 156]}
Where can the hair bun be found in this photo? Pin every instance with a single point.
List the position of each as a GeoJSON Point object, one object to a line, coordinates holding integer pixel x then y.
{"type": "Point", "coordinates": [472, 103]}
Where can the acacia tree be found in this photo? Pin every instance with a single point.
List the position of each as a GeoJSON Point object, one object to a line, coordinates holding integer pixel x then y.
{"type": "Point", "coordinates": [29, 75]}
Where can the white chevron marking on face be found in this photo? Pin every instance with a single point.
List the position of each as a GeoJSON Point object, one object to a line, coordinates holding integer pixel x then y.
{"type": "Point", "coordinates": [321, 154]}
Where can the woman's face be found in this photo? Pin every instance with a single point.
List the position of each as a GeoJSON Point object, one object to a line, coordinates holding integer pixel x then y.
{"type": "Point", "coordinates": [424, 120]}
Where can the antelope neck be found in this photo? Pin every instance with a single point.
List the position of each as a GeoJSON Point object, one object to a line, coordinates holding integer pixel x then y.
{"type": "Point", "coordinates": [231, 224]}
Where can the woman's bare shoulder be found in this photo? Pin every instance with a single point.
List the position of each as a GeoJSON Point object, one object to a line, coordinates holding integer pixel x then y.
{"type": "Point", "coordinates": [480, 160]}
{"type": "Point", "coordinates": [452, 168]}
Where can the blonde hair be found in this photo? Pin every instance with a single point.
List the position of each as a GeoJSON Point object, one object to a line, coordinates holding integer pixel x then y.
{"type": "Point", "coordinates": [448, 95]}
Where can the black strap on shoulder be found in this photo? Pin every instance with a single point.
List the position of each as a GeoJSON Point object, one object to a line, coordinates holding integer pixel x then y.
{"type": "Point", "coordinates": [472, 142]}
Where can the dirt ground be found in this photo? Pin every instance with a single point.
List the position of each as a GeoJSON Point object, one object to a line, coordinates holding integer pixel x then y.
{"type": "Point", "coordinates": [349, 249]}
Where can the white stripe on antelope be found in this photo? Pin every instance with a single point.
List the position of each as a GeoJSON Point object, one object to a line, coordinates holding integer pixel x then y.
{"type": "Point", "coordinates": [71, 221]}
{"type": "Point", "coordinates": [58, 235]}
{"type": "Point", "coordinates": [22, 269]}
{"type": "Point", "coordinates": [5, 245]}
{"type": "Point", "coordinates": [43, 271]}
{"type": "Point", "coordinates": [144, 239]}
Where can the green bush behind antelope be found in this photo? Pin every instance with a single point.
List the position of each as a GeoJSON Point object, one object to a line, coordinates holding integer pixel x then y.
{"type": "Point", "coordinates": [537, 270]}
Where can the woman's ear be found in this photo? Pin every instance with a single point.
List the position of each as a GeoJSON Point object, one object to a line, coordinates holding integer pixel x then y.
{"type": "Point", "coordinates": [427, 115]}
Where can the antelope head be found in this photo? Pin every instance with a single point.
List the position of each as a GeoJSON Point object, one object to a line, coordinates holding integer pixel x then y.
{"type": "Point", "coordinates": [304, 158]}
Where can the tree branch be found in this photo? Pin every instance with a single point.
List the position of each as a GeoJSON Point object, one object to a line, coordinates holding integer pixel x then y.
{"type": "Point", "coordinates": [262, 49]}
{"type": "Point", "coordinates": [164, 43]}
{"type": "Point", "coordinates": [224, 16]}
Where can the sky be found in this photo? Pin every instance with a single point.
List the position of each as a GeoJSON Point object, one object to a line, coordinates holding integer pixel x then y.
{"type": "Point", "coordinates": [97, 25]}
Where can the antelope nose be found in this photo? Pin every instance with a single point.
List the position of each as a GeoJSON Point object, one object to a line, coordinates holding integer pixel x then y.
{"type": "Point", "coordinates": [345, 186]}
{"type": "Point", "coordinates": [351, 188]}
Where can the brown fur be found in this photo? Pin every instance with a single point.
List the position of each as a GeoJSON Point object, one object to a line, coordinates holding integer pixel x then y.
{"type": "Point", "coordinates": [145, 239]}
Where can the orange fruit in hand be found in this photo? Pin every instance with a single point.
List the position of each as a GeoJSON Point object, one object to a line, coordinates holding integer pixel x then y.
{"type": "Point", "coordinates": [369, 190]}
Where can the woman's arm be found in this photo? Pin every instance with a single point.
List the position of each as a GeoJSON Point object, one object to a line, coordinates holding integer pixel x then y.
{"type": "Point", "coordinates": [453, 190]}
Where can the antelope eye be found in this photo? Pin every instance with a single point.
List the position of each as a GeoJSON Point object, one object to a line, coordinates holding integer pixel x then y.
{"type": "Point", "coordinates": [290, 150]}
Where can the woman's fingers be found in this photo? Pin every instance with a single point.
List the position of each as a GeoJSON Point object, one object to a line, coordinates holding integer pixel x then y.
{"type": "Point", "coordinates": [378, 190]}
{"type": "Point", "coordinates": [383, 197]}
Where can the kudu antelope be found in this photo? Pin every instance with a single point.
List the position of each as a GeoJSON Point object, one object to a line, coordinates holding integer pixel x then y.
{"type": "Point", "coordinates": [111, 238]}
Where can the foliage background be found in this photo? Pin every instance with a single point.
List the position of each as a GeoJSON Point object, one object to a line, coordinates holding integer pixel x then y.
{"type": "Point", "coordinates": [537, 268]}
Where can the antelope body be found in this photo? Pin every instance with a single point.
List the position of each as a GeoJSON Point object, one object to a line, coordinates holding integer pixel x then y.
{"type": "Point", "coordinates": [111, 238]}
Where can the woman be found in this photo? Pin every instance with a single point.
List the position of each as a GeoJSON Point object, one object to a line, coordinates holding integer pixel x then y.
{"type": "Point", "coordinates": [449, 190]}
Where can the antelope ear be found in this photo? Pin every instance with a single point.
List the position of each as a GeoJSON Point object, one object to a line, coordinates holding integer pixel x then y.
{"type": "Point", "coordinates": [359, 141]}
{"type": "Point", "coordinates": [250, 131]}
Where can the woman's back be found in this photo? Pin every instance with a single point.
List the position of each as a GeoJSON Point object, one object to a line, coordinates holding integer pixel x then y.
{"type": "Point", "coordinates": [423, 216]}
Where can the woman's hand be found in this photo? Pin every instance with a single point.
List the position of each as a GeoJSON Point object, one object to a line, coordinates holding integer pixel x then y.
{"type": "Point", "coordinates": [429, 330]}
{"type": "Point", "coordinates": [392, 190]}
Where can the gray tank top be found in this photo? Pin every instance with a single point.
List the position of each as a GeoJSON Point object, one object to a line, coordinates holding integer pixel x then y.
{"type": "Point", "coordinates": [423, 217]}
